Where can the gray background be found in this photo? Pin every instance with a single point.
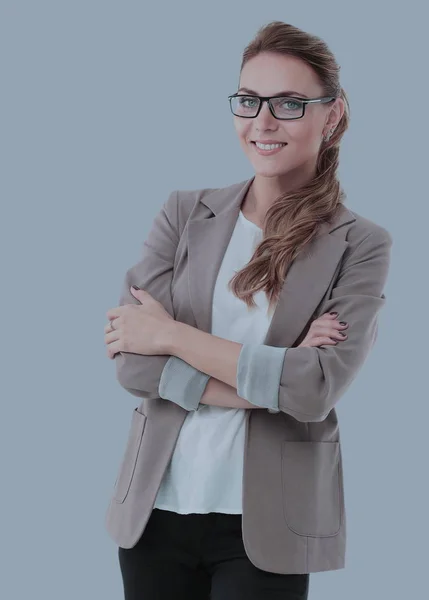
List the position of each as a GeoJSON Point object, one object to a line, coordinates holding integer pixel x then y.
{"type": "Point", "coordinates": [101, 119]}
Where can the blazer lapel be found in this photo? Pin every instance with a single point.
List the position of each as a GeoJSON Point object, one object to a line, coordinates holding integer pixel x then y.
{"type": "Point", "coordinates": [306, 281]}
{"type": "Point", "coordinates": [208, 240]}
{"type": "Point", "coordinates": [305, 284]}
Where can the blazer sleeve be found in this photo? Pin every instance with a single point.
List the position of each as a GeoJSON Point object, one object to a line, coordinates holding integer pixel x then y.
{"type": "Point", "coordinates": [307, 382]}
{"type": "Point", "coordinates": [141, 375]}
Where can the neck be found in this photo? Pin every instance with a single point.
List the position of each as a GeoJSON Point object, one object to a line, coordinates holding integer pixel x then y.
{"type": "Point", "coordinates": [265, 190]}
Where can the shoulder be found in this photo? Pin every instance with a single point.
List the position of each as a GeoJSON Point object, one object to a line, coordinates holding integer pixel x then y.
{"type": "Point", "coordinates": [192, 197]}
{"type": "Point", "coordinates": [366, 240]}
{"type": "Point", "coordinates": [363, 230]}
{"type": "Point", "coordinates": [199, 203]}
{"type": "Point", "coordinates": [191, 202]}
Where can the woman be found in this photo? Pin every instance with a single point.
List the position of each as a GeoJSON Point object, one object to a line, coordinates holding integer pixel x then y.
{"type": "Point", "coordinates": [231, 485]}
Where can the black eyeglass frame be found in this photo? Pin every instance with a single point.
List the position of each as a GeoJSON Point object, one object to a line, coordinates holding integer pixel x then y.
{"type": "Point", "coordinates": [262, 99]}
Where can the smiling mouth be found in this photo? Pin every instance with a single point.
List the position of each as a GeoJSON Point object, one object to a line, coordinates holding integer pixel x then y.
{"type": "Point", "coordinates": [267, 149]}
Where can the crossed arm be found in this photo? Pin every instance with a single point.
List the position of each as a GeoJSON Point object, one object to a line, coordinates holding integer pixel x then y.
{"type": "Point", "coordinates": [166, 376]}
{"type": "Point", "coordinates": [305, 382]}
{"type": "Point", "coordinates": [219, 365]}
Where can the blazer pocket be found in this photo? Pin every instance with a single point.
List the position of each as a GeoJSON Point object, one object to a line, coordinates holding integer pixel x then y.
{"type": "Point", "coordinates": [128, 465]}
{"type": "Point", "coordinates": [311, 487]}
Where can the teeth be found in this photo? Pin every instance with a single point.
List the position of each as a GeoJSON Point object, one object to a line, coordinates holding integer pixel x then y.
{"type": "Point", "coordinates": [269, 146]}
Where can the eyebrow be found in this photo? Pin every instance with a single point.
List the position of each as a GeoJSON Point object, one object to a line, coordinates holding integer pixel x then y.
{"type": "Point", "coordinates": [285, 93]}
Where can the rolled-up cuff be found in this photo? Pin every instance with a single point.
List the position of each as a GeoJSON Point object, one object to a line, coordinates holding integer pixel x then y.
{"type": "Point", "coordinates": [182, 384]}
{"type": "Point", "coordinates": [259, 371]}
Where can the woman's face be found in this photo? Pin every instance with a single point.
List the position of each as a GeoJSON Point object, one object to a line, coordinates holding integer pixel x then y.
{"type": "Point", "coordinates": [270, 74]}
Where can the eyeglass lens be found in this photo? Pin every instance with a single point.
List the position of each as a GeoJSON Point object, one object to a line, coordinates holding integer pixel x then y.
{"type": "Point", "coordinates": [284, 108]}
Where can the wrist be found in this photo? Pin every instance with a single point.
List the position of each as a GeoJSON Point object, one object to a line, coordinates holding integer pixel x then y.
{"type": "Point", "coordinates": [169, 341]}
{"type": "Point", "coordinates": [218, 393]}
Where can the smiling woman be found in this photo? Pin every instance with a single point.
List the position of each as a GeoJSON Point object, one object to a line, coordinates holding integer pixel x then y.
{"type": "Point", "coordinates": [232, 483]}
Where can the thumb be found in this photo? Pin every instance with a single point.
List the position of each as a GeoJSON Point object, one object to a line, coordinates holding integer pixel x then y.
{"type": "Point", "coordinates": [137, 292]}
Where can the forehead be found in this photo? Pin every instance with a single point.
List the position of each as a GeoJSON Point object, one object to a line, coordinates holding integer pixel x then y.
{"type": "Point", "coordinates": [269, 73]}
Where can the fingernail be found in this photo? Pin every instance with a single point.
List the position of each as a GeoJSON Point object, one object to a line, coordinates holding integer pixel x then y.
{"type": "Point", "coordinates": [343, 323]}
{"type": "Point", "coordinates": [135, 287]}
{"type": "Point", "coordinates": [333, 313]}
{"type": "Point", "coordinates": [341, 333]}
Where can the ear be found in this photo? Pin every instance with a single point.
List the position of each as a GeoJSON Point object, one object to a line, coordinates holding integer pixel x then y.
{"type": "Point", "coordinates": [336, 113]}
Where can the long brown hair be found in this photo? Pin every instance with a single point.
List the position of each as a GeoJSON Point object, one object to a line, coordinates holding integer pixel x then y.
{"type": "Point", "coordinates": [294, 218]}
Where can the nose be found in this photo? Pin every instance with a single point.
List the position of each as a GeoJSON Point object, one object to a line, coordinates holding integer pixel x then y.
{"type": "Point", "coordinates": [265, 119]}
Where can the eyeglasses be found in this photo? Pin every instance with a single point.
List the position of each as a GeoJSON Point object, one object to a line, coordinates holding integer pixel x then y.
{"type": "Point", "coordinates": [281, 107]}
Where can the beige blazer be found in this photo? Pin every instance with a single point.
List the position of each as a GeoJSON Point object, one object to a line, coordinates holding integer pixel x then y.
{"type": "Point", "coordinates": [294, 518]}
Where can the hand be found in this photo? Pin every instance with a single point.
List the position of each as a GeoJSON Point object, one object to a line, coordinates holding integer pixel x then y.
{"type": "Point", "coordinates": [324, 331]}
{"type": "Point", "coordinates": [138, 328]}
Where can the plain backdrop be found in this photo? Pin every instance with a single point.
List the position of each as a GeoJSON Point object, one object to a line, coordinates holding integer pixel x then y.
{"type": "Point", "coordinates": [103, 114]}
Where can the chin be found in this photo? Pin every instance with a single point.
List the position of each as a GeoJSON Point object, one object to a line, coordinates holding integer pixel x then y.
{"type": "Point", "coordinates": [270, 170]}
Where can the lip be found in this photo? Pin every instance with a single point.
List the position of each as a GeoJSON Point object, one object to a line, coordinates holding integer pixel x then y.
{"type": "Point", "coordinates": [268, 152]}
{"type": "Point", "coordinates": [268, 142]}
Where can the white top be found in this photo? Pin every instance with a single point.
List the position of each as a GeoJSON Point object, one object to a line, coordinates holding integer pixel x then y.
{"type": "Point", "coordinates": [206, 469]}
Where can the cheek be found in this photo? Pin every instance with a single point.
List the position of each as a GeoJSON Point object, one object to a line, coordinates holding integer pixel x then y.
{"type": "Point", "coordinates": [305, 139]}
{"type": "Point", "coordinates": [242, 128]}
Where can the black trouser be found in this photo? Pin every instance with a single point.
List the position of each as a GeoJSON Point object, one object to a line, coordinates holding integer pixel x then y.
{"type": "Point", "coordinates": [200, 557]}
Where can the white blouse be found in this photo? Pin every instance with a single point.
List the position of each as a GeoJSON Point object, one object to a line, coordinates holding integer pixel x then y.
{"type": "Point", "coordinates": [206, 470]}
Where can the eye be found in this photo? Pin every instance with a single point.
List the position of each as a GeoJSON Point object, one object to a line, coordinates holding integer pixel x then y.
{"type": "Point", "coordinates": [291, 104]}
{"type": "Point", "coordinates": [288, 107]}
{"type": "Point", "coordinates": [248, 101]}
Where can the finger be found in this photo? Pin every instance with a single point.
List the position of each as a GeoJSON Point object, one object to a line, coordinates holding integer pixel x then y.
{"type": "Point", "coordinates": [140, 294]}
{"type": "Point", "coordinates": [331, 333]}
{"type": "Point", "coordinates": [326, 317]}
{"type": "Point", "coordinates": [339, 325]}
{"type": "Point", "coordinates": [112, 336]}
{"type": "Point", "coordinates": [327, 342]}
{"type": "Point", "coordinates": [109, 327]}
{"type": "Point", "coordinates": [113, 348]}
{"type": "Point", "coordinates": [338, 335]}
{"type": "Point", "coordinates": [327, 328]}
{"type": "Point", "coordinates": [323, 340]}
{"type": "Point", "coordinates": [113, 313]}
